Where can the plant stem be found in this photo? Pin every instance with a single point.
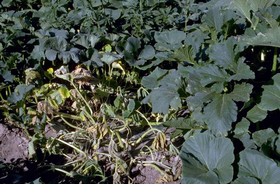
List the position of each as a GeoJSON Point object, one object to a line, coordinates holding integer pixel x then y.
{"type": "Point", "coordinates": [274, 65]}
{"type": "Point", "coordinates": [146, 133]}
{"type": "Point", "coordinates": [140, 5]}
{"type": "Point", "coordinates": [69, 116]}
{"type": "Point", "coordinates": [1, 97]}
{"type": "Point", "coordinates": [9, 91]}
{"type": "Point", "coordinates": [82, 97]}
{"type": "Point", "coordinates": [61, 170]}
{"type": "Point", "coordinates": [120, 139]}
{"type": "Point", "coordinates": [75, 148]}
{"type": "Point", "coordinates": [88, 116]}
{"type": "Point", "coordinates": [69, 124]}
{"type": "Point", "coordinates": [147, 121]}
{"type": "Point", "coordinates": [105, 154]}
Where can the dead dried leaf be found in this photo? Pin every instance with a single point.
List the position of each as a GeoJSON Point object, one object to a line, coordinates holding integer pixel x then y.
{"type": "Point", "coordinates": [159, 142]}
{"type": "Point", "coordinates": [98, 130]}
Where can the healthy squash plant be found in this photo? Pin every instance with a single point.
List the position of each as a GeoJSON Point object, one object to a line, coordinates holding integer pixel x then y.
{"type": "Point", "coordinates": [232, 85]}
{"type": "Point", "coordinates": [112, 40]}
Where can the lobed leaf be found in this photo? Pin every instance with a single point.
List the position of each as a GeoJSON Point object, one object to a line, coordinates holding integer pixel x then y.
{"type": "Point", "coordinates": [223, 53]}
{"type": "Point", "coordinates": [268, 38]}
{"type": "Point", "coordinates": [270, 99]}
{"type": "Point", "coordinates": [169, 40]}
{"type": "Point", "coordinates": [207, 159]}
{"type": "Point", "coordinates": [151, 81]}
{"type": "Point", "coordinates": [242, 127]}
{"type": "Point", "coordinates": [220, 113]}
{"type": "Point", "coordinates": [254, 164]}
{"type": "Point", "coordinates": [167, 94]}
{"type": "Point", "coordinates": [263, 136]}
{"type": "Point", "coordinates": [147, 53]}
{"type": "Point", "coordinates": [256, 114]}
{"type": "Point", "coordinates": [211, 74]}
{"type": "Point", "coordinates": [241, 71]}
{"type": "Point", "coordinates": [241, 92]}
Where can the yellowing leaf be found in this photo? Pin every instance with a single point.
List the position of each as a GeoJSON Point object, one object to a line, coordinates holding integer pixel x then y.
{"type": "Point", "coordinates": [117, 65]}
{"type": "Point", "coordinates": [64, 92]}
{"type": "Point", "coordinates": [107, 48]}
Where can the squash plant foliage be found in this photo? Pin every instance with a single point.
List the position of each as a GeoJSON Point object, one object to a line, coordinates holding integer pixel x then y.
{"type": "Point", "coordinates": [231, 83]}
{"type": "Point", "coordinates": [215, 60]}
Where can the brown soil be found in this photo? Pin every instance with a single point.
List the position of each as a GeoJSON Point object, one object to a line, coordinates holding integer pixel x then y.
{"type": "Point", "coordinates": [13, 144]}
{"type": "Point", "coordinates": [15, 165]}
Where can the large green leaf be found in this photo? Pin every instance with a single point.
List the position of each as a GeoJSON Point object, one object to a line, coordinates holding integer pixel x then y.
{"type": "Point", "coordinates": [169, 40]}
{"type": "Point", "coordinates": [256, 114]}
{"type": "Point", "coordinates": [245, 180]}
{"type": "Point", "coordinates": [223, 53]}
{"type": "Point", "coordinates": [86, 40]}
{"type": "Point", "coordinates": [211, 74]}
{"type": "Point", "coordinates": [56, 43]}
{"type": "Point", "coordinates": [246, 140]}
{"type": "Point", "coordinates": [241, 71]}
{"type": "Point", "coordinates": [37, 53]}
{"type": "Point", "coordinates": [220, 113]}
{"type": "Point", "coordinates": [277, 144]}
{"type": "Point", "coordinates": [96, 3]}
{"type": "Point", "coordinates": [162, 97]}
{"type": "Point", "coordinates": [263, 136]}
{"type": "Point", "coordinates": [242, 127]}
{"type": "Point", "coordinates": [147, 53]}
{"type": "Point", "coordinates": [193, 78]}
{"type": "Point", "coordinates": [66, 56]}
{"type": "Point", "coordinates": [20, 93]}
{"type": "Point", "coordinates": [56, 33]}
{"type": "Point", "coordinates": [271, 95]}
{"type": "Point", "coordinates": [195, 39]}
{"type": "Point", "coordinates": [254, 164]}
{"type": "Point", "coordinates": [6, 3]}
{"type": "Point", "coordinates": [132, 45]}
{"type": "Point", "coordinates": [94, 58]}
{"type": "Point", "coordinates": [241, 92]}
{"type": "Point", "coordinates": [185, 54]}
{"type": "Point", "coordinates": [80, 4]}
{"type": "Point", "coordinates": [167, 94]}
{"type": "Point", "coordinates": [260, 4]}
{"type": "Point", "coordinates": [114, 14]}
{"type": "Point", "coordinates": [199, 99]}
{"type": "Point", "coordinates": [214, 18]}
{"type": "Point", "coordinates": [268, 38]}
{"type": "Point", "coordinates": [151, 81]}
{"type": "Point", "coordinates": [131, 52]}
{"type": "Point", "coordinates": [270, 19]}
{"type": "Point", "coordinates": [7, 75]}
{"type": "Point", "coordinates": [108, 58]}
{"type": "Point", "coordinates": [243, 7]}
{"type": "Point", "coordinates": [51, 54]}
{"type": "Point", "coordinates": [246, 7]}
{"type": "Point", "coordinates": [207, 159]}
